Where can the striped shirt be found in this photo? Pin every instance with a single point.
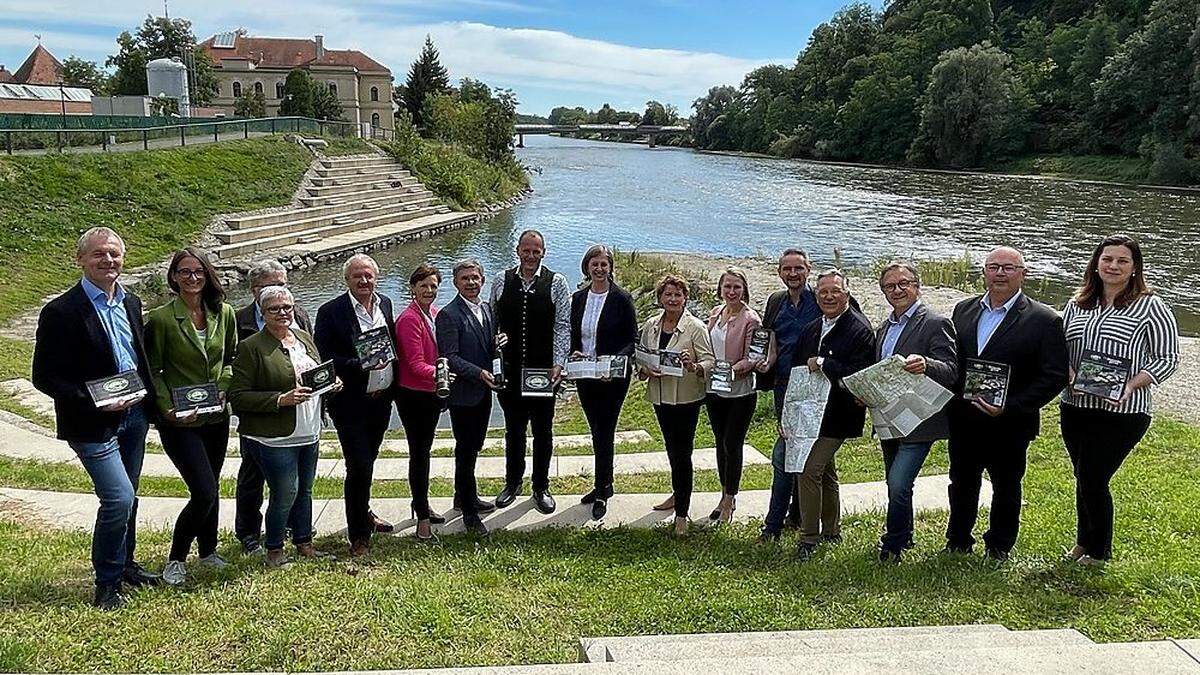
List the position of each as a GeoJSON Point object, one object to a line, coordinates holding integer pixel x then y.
{"type": "Point", "coordinates": [1144, 332]}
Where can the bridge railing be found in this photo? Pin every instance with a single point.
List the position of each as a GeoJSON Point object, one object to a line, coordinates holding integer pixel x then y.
{"type": "Point", "coordinates": [16, 141]}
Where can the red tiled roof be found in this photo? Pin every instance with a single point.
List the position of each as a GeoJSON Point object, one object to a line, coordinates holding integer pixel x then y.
{"type": "Point", "coordinates": [6, 76]}
{"type": "Point", "coordinates": [289, 53]}
{"type": "Point", "coordinates": [40, 68]}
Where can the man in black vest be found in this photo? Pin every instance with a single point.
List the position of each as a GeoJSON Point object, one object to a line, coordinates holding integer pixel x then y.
{"type": "Point", "coordinates": [94, 331]}
{"type": "Point", "coordinates": [533, 309]}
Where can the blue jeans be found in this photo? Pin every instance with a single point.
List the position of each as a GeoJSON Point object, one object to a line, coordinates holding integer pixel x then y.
{"type": "Point", "coordinates": [783, 484]}
{"type": "Point", "coordinates": [115, 467]}
{"type": "Point", "coordinates": [901, 462]}
{"type": "Point", "coordinates": [290, 473]}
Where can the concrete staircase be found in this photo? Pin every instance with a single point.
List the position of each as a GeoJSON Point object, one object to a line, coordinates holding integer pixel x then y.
{"type": "Point", "coordinates": [348, 203]}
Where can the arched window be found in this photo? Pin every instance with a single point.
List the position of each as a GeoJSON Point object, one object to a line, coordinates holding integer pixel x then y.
{"type": "Point", "coordinates": [258, 88]}
{"type": "Point", "coordinates": [237, 89]}
{"type": "Point", "coordinates": [333, 89]}
{"type": "Point", "coordinates": [374, 93]}
{"type": "Point", "coordinates": [374, 119]}
{"type": "Point", "coordinates": [279, 90]}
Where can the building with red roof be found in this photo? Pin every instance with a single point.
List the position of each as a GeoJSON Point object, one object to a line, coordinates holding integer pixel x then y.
{"type": "Point", "coordinates": [35, 88]}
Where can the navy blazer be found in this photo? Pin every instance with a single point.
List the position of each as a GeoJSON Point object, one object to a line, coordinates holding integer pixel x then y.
{"type": "Point", "coordinates": [848, 348]}
{"type": "Point", "coordinates": [334, 333]}
{"type": "Point", "coordinates": [468, 347]}
{"type": "Point", "coordinates": [931, 335]}
{"type": "Point", "coordinates": [617, 329]}
{"type": "Point", "coordinates": [71, 348]}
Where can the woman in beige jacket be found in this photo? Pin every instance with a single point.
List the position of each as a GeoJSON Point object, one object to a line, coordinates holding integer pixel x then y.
{"type": "Point", "coordinates": [677, 399]}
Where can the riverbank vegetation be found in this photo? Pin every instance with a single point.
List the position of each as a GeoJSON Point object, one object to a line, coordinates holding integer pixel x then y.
{"type": "Point", "coordinates": [1106, 90]}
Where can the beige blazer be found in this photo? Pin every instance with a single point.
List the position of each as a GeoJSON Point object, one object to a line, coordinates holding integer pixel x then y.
{"type": "Point", "coordinates": [691, 335]}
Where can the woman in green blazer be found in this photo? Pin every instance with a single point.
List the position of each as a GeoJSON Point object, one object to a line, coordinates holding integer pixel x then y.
{"type": "Point", "coordinates": [192, 340]}
{"type": "Point", "coordinates": [279, 419]}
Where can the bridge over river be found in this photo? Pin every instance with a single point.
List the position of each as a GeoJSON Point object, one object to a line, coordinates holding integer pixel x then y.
{"type": "Point", "coordinates": [650, 131]}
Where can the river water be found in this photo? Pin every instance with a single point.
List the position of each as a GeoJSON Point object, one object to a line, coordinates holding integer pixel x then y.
{"type": "Point", "coordinates": [632, 197]}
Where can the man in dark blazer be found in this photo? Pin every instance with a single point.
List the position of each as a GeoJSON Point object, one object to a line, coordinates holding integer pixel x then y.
{"type": "Point", "coordinates": [466, 339]}
{"type": "Point", "coordinates": [93, 331]}
{"type": "Point", "coordinates": [248, 520]}
{"type": "Point", "coordinates": [362, 410]}
{"type": "Point", "coordinates": [838, 344]}
{"type": "Point", "coordinates": [926, 340]}
{"type": "Point", "coordinates": [1002, 326]}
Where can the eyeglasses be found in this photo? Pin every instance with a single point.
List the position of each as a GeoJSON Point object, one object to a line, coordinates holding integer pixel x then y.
{"type": "Point", "coordinates": [190, 274]}
{"type": "Point", "coordinates": [1008, 269]}
{"type": "Point", "coordinates": [279, 309]}
{"type": "Point", "coordinates": [903, 284]}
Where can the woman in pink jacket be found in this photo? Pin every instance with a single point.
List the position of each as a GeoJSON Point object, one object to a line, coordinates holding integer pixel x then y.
{"type": "Point", "coordinates": [731, 406]}
{"type": "Point", "coordinates": [417, 399]}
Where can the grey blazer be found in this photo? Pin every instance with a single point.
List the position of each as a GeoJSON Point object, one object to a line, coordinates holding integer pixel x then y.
{"type": "Point", "coordinates": [931, 335]}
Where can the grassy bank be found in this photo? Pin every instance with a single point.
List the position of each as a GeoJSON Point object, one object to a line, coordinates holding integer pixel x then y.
{"type": "Point", "coordinates": [347, 146]}
{"type": "Point", "coordinates": [157, 200]}
{"type": "Point", "coordinates": [456, 177]}
{"type": "Point", "coordinates": [1085, 167]}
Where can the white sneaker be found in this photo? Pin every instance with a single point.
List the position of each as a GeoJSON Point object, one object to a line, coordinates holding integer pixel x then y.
{"type": "Point", "coordinates": [215, 561]}
{"type": "Point", "coordinates": [175, 573]}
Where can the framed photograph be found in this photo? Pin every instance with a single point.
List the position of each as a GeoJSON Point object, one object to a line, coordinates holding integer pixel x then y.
{"type": "Point", "coordinates": [1102, 375]}
{"type": "Point", "coordinates": [760, 344]}
{"type": "Point", "coordinates": [120, 388]}
{"type": "Point", "coordinates": [320, 379]}
{"type": "Point", "coordinates": [374, 348]}
{"type": "Point", "coordinates": [722, 377]}
{"type": "Point", "coordinates": [536, 383]}
{"type": "Point", "coordinates": [670, 363]}
{"type": "Point", "coordinates": [203, 398]}
{"type": "Point", "coordinates": [986, 381]}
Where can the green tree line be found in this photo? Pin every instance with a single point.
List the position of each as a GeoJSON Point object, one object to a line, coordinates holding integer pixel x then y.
{"type": "Point", "coordinates": [972, 83]}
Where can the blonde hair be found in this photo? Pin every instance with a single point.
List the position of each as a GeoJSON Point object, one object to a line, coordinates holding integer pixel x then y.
{"type": "Point", "coordinates": [670, 280]}
{"type": "Point", "coordinates": [741, 275]}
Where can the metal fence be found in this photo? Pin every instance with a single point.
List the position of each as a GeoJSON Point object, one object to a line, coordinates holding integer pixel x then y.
{"type": "Point", "coordinates": [54, 122]}
{"type": "Point", "coordinates": [37, 141]}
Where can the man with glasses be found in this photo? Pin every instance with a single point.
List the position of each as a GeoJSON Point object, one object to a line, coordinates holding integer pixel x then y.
{"type": "Point", "coordinates": [1002, 326]}
{"type": "Point", "coordinates": [248, 521]}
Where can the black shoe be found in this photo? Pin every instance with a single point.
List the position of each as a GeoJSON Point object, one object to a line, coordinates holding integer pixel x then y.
{"type": "Point", "coordinates": [889, 557]}
{"type": "Point", "coordinates": [508, 495]}
{"type": "Point", "coordinates": [544, 502]}
{"type": "Point", "coordinates": [588, 498]}
{"type": "Point", "coordinates": [252, 547]}
{"type": "Point", "coordinates": [380, 525]}
{"type": "Point", "coordinates": [135, 575]}
{"type": "Point", "coordinates": [599, 508]}
{"type": "Point", "coordinates": [435, 519]}
{"type": "Point", "coordinates": [108, 597]}
{"type": "Point", "coordinates": [475, 526]}
{"type": "Point", "coordinates": [997, 555]}
{"type": "Point", "coordinates": [831, 539]}
{"type": "Point", "coordinates": [765, 537]}
{"type": "Point", "coordinates": [715, 515]}
{"type": "Point", "coordinates": [804, 551]}
{"type": "Point", "coordinates": [484, 507]}
{"type": "Point", "coordinates": [954, 549]}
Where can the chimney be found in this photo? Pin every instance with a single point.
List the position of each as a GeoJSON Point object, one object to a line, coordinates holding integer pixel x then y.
{"type": "Point", "coordinates": [320, 40]}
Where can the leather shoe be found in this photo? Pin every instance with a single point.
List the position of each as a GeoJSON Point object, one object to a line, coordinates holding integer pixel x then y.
{"type": "Point", "coordinates": [135, 575]}
{"type": "Point", "coordinates": [484, 507]}
{"type": "Point", "coordinates": [359, 548]}
{"type": "Point", "coordinates": [108, 597]}
{"type": "Point", "coordinates": [475, 526]}
{"type": "Point", "coordinates": [599, 508]}
{"type": "Point", "coordinates": [888, 556]}
{"type": "Point", "coordinates": [435, 519]}
{"type": "Point", "coordinates": [508, 495]}
{"type": "Point", "coordinates": [588, 498]}
{"type": "Point", "coordinates": [381, 525]}
{"type": "Point", "coordinates": [804, 551]}
{"type": "Point", "coordinates": [544, 502]}
{"type": "Point", "coordinates": [765, 537]}
{"type": "Point", "coordinates": [953, 549]}
{"type": "Point", "coordinates": [997, 555]}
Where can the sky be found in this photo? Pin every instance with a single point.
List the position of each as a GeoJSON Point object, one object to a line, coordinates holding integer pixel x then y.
{"type": "Point", "coordinates": [550, 52]}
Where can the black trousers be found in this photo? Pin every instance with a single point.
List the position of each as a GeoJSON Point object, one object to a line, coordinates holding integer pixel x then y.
{"type": "Point", "coordinates": [602, 403]}
{"type": "Point", "coordinates": [1098, 441]}
{"type": "Point", "coordinates": [537, 413]}
{"type": "Point", "coordinates": [470, 424]}
{"type": "Point", "coordinates": [1003, 456]}
{"type": "Point", "coordinates": [678, 425]}
{"type": "Point", "coordinates": [419, 412]}
{"type": "Point", "coordinates": [360, 427]}
{"type": "Point", "coordinates": [198, 453]}
{"type": "Point", "coordinates": [730, 420]}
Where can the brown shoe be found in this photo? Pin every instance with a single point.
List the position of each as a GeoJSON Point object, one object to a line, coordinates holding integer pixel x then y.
{"type": "Point", "coordinates": [359, 548]}
{"type": "Point", "coordinates": [382, 526]}
{"type": "Point", "coordinates": [667, 505]}
{"type": "Point", "coordinates": [307, 550]}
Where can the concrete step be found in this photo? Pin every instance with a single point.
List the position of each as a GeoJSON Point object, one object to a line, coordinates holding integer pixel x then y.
{"type": "Point", "coordinates": [794, 643]}
{"type": "Point", "coordinates": [364, 174]}
{"type": "Point", "coordinates": [359, 186]}
{"type": "Point", "coordinates": [257, 220]}
{"type": "Point", "coordinates": [351, 171]}
{"type": "Point", "coordinates": [405, 204]}
{"type": "Point", "coordinates": [314, 235]}
{"type": "Point", "coordinates": [360, 195]}
{"type": "Point", "coordinates": [355, 161]}
{"type": "Point", "coordinates": [441, 220]}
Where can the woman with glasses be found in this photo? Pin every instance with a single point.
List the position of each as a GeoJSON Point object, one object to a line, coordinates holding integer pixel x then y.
{"type": "Point", "coordinates": [279, 420]}
{"type": "Point", "coordinates": [190, 341]}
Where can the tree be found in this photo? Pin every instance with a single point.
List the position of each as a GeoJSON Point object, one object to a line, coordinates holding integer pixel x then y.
{"type": "Point", "coordinates": [252, 104]}
{"type": "Point", "coordinates": [79, 73]}
{"type": "Point", "coordinates": [297, 95]}
{"type": "Point", "coordinates": [471, 91]}
{"type": "Point", "coordinates": [157, 38]}
{"type": "Point", "coordinates": [879, 121]}
{"type": "Point", "coordinates": [974, 109]}
{"type": "Point", "coordinates": [658, 114]}
{"type": "Point", "coordinates": [325, 103]}
{"type": "Point", "coordinates": [708, 109]}
{"type": "Point", "coordinates": [426, 76]}
{"type": "Point", "coordinates": [565, 116]}
{"type": "Point", "coordinates": [129, 77]}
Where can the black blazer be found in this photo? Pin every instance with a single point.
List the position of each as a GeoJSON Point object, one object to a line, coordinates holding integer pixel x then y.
{"type": "Point", "coordinates": [468, 347]}
{"type": "Point", "coordinates": [931, 335]}
{"type": "Point", "coordinates": [71, 348]}
{"type": "Point", "coordinates": [617, 329]}
{"type": "Point", "coordinates": [1030, 340]}
{"type": "Point", "coordinates": [848, 348]}
{"type": "Point", "coordinates": [247, 326]}
{"type": "Point", "coordinates": [335, 330]}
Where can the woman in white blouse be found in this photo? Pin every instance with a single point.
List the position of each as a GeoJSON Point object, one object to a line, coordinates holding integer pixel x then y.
{"type": "Point", "coordinates": [1122, 340]}
{"type": "Point", "coordinates": [603, 323]}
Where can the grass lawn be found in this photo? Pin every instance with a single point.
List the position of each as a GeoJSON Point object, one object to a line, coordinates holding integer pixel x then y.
{"type": "Point", "coordinates": [526, 597]}
{"type": "Point", "coordinates": [346, 146]}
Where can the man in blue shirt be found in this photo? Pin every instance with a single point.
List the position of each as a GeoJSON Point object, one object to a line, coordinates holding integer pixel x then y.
{"type": "Point", "coordinates": [94, 331]}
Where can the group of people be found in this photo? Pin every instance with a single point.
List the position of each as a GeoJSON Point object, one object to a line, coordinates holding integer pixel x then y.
{"type": "Point", "coordinates": [528, 325]}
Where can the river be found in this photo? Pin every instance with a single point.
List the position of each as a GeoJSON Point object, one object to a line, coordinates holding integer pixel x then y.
{"type": "Point", "coordinates": [632, 197]}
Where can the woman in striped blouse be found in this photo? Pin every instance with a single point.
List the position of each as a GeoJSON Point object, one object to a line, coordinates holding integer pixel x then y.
{"type": "Point", "coordinates": [1122, 339]}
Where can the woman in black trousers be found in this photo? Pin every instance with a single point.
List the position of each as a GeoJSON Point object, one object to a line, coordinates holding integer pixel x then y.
{"type": "Point", "coordinates": [1117, 330]}
{"type": "Point", "coordinates": [603, 323]}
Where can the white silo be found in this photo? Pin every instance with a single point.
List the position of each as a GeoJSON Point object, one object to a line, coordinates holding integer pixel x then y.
{"type": "Point", "coordinates": [168, 77]}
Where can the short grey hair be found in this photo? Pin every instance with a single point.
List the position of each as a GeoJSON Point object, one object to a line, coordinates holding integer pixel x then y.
{"type": "Point", "coordinates": [359, 258]}
{"type": "Point", "coordinates": [85, 239]}
{"type": "Point", "coordinates": [900, 265]}
{"type": "Point", "coordinates": [466, 263]}
{"type": "Point", "coordinates": [274, 293]}
{"type": "Point", "coordinates": [835, 272]}
{"type": "Point", "coordinates": [265, 268]}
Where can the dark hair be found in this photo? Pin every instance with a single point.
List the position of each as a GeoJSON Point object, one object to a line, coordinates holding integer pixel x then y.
{"type": "Point", "coordinates": [1089, 294]}
{"type": "Point", "coordinates": [213, 293]}
{"type": "Point", "coordinates": [670, 280]}
{"type": "Point", "coordinates": [535, 233]}
{"type": "Point", "coordinates": [423, 272]}
{"type": "Point", "coordinates": [593, 252]}
{"type": "Point", "coordinates": [793, 251]}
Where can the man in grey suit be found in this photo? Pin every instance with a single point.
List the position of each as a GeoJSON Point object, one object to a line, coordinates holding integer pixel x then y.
{"type": "Point", "coordinates": [926, 340]}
